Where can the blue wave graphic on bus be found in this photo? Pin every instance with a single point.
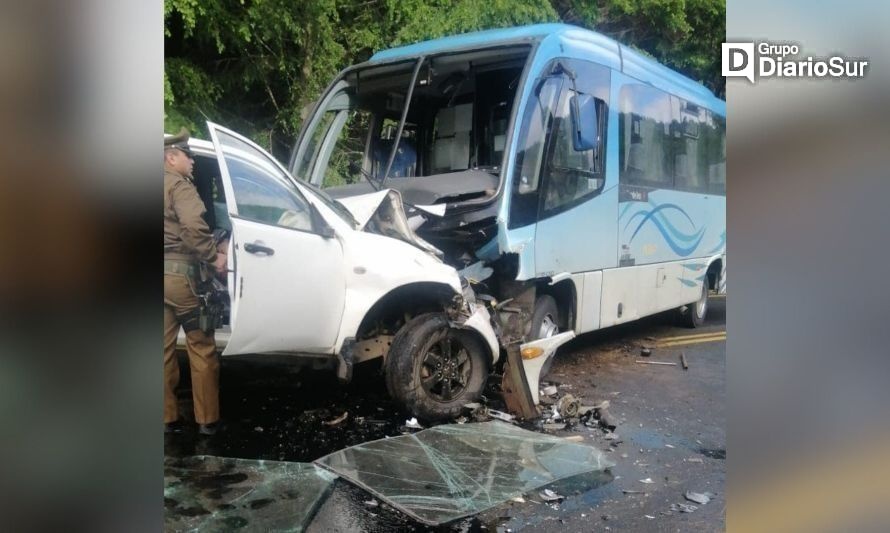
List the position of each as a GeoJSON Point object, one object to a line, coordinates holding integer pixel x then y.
{"type": "Point", "coordinates": [680, 242]}
{"type": "Point", "coordinates": [721, 244]}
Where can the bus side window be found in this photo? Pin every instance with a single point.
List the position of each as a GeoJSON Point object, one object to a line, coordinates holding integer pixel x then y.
{"type": "Point", "coordinates": [715, 154]}
{"type": "Point", "coordinates": [644, 142]}
{"type": "Point", "coordinates": [691, 141]}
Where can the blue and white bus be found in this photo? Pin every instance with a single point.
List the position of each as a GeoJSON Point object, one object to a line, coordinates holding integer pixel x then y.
{"type": "Point", "coordinates": [571, 179]}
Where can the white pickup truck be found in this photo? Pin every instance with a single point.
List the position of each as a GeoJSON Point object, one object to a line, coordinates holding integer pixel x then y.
{"type": "Point", "coordinates": [316, 277]}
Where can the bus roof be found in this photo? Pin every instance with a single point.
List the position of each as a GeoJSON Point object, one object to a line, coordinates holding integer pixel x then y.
{"type": "Point", "coordinates": [633, 63]}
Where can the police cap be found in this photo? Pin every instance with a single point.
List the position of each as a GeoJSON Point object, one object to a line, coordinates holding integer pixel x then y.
{"type": "Point", "coordinates": [180, 141]}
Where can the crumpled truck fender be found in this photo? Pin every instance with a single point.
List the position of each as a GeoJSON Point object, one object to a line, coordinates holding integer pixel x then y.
{"type": "Point", "coordinates": [480, 321]}
{"type": "Point", "coordinates": [377, 265]}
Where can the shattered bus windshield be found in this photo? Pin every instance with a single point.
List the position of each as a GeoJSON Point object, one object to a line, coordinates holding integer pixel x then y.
{"type": "Point", "coordinates": [455, 127]}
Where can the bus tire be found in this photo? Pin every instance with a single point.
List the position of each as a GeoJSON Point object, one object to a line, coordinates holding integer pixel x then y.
{"type": "Point", "coordinates": [693, 316]}
{"type": "Point", "coordinates": [433, 369]}
{"type": "Point", "coordinates": [544, 323]}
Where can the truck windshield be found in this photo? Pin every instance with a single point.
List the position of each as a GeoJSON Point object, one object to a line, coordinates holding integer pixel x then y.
{"type": "Point", "coordinates": [456, 123]}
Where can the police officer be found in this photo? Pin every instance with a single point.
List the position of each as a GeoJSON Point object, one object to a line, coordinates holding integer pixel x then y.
{"type": "Point", "coordinates": [187, 242]}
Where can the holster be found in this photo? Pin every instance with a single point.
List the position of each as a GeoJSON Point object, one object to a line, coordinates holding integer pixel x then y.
{"type": "Point", "coordinates": [191, 320]}
{"type": "Point", "coordinates": [213, 298]}
{"type": "Point", "coordinates": [209, 314]}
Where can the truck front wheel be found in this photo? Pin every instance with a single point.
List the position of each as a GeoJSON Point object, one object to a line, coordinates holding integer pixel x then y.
{"type": "Point", "coordinates": [434, 369]}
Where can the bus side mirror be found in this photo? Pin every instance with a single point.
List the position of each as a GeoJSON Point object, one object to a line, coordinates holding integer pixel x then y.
{"type": "Point", "coordinates": [584, 122]}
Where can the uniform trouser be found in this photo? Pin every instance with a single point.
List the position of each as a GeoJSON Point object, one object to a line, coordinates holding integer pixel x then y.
{"type": "Point", "coordinates": [179, 297]}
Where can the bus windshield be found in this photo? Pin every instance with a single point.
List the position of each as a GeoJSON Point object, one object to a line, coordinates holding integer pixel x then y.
{"type": "Point", "coordinates": [455, 124]}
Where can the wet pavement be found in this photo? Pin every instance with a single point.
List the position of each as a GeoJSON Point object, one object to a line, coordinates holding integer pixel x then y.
{"type": "Point", "coordinates": [671, 430]}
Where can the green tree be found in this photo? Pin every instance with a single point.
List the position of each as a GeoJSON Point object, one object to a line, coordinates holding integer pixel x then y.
{"type": "Point", "coordinates": [683, 34]}
{"type": "Point", "coordinates": [254, 65]}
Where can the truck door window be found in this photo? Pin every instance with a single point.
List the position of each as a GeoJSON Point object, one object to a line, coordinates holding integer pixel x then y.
{"type": "Point", "coordinates": [262, 191]}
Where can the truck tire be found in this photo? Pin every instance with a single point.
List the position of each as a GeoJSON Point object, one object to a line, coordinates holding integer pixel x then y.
{"type": "Point", "coordinates": [693, 316]}
{"type": "Point", "coordinates": [433, 369]}
{"type": "Point", "coordinates": [544, 324]}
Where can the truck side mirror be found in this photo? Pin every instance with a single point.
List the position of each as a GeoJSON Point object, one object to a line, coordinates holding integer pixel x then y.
{"type": "Point", "coordinates": [584, 122]}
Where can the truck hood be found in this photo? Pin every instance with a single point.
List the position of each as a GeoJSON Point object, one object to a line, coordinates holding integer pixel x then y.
{"type": "Point", "coordinates": [383, 213]}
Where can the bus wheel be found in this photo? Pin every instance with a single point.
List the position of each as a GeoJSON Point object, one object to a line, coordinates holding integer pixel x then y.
{"type": "Point", "coordinates": [544, 324]}
{"type": "Point", "coordinates": [694, 314]}
{"type": "Point", "coordinates": [433, 369]}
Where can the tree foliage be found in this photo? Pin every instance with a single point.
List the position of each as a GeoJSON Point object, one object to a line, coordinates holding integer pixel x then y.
{"type": "Point", "coordinates": [254, 65]}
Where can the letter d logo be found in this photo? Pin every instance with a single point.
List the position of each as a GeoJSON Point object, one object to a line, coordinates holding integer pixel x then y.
{"type": "Point", "coordinates": [738, 60]}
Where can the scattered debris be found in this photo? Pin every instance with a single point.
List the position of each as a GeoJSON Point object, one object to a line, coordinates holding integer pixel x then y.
{"type": "Point", "coordinates": [575, 438]}
{"type": "Point", "coordinates": [549, 496]}
{"type": "Point", "coordinates": [500, 415]}
{"type": "Point", "coordinates": [568, 406]}
{"type": "Point", "coordinates": [695, 460]}
{"type": "Point", "coordinates": [603, 417]}
{"type": "Point", "coordinates": [586, 409]}
{"type": "Point", "coordinates": [683, 361]}
{"type": "Point", "coordinates": [647, 480]}
{"type": "Point", "coordinates": [656, 363]}
{"type": "Point", "coordinates": [372, 503]}
{"type": "Point", "coordinates": [518, 499]}
{"type": "Point", "coordinates": [258, 429]}
{"type": "Point", "coordinates": [668, 445]}
{"type": "Point", "coordinates": [549, 390]}
{"type": "Point", "coordinates": [683, 507]}
{"type": "Point", "coordinates": [645, 351]}
{"type": "Point", "coordinates": [700, 498]}
{"type": "Point", "coordinates": [554, 426]}
{"type": "Point", "coordinates": [626, 491]}
{"type": "Point", "coordinates": [478, 412]}
{"type": "Point", "coordinates": [649, 516]}
{"type": "Point", "coordinates": [612, 436]}
{"type": "Point", "coordinates": [337, 420]}
{"type": "Point", "coordinates": [412, 423]}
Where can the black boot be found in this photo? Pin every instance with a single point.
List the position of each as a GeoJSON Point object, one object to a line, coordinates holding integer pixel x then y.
{"type": "Point", "coordinates": [208, 429]}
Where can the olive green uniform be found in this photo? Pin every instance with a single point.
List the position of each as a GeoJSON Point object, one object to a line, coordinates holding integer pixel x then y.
{"type": "Point", "coordinates": [187, 241]}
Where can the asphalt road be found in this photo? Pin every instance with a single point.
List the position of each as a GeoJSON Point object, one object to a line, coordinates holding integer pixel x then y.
{"type": "Point", "coordinates": [671, 430]}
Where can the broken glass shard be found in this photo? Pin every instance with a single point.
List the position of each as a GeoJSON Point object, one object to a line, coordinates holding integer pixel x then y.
{"type": "Point", "coordinates": [218, 494]}
{"type": "Point", "coordinates": [447, 472]}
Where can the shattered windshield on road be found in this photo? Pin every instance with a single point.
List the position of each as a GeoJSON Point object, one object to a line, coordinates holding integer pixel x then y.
{"type": "Point", "coordinates": [456, 121]}
{"type": "Point", "coordinates": [206, 493]}
{"type": "Point", "coordinates": [451, 471]}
